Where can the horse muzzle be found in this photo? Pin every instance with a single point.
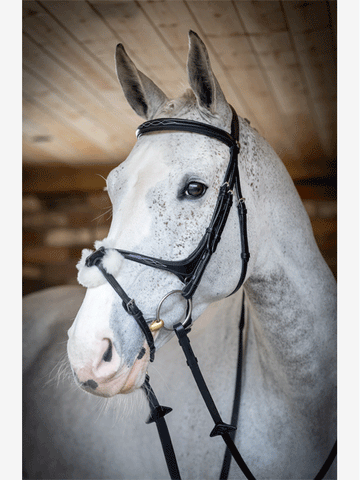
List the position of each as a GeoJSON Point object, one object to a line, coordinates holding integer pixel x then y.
{"type": "Point", "coordinates": [103, 367]}
{"type": "Point", "coordinates": [102, 372]}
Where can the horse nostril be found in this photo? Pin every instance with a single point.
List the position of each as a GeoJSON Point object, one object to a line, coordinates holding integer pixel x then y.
{"type": "Point", "coordinates": [90, 383]}
{"type": "Point", "coordinates": [108, 354]}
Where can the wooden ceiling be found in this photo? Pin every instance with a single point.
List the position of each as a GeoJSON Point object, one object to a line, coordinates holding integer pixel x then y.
{"type": "Point", "coordinates": [275, 60]}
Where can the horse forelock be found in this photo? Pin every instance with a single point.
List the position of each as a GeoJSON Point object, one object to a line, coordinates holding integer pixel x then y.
{"type": "Point", "coordinates": [186, 106]}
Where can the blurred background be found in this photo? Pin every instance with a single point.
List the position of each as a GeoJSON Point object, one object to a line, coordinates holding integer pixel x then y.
{"type": "Point", "coordinates": [275, 61]}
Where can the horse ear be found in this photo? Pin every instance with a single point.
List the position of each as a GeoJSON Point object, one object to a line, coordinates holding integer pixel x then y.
{"type": "Point", "coordinates": [202, 79]}
{"type": "Point", "coordinates": [141, 92]}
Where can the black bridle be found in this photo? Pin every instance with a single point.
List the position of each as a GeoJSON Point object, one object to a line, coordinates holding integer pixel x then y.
{"type": "Point", "coordinates": [190, 272]}
{"type": "Point", "coordinates": [191, 269]}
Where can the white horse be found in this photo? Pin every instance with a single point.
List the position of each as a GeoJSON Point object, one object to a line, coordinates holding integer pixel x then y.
{"type": "Point", "coordinates": [163, 198]}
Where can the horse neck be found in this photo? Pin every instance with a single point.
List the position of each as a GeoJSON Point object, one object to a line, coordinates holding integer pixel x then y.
{"type": "Point", "coordinates": [290, 290]}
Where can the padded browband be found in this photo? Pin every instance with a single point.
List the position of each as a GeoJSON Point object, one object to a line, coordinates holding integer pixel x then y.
{"type": "Point", "coordinates": [182, 125]}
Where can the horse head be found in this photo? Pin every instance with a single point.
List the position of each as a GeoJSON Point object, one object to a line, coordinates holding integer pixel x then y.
{"type": "Point", "coordinates": [163, 197]}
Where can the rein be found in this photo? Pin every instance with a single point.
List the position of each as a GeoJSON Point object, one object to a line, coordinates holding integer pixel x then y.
{"type": "Point", "coordinates": [190, 271]}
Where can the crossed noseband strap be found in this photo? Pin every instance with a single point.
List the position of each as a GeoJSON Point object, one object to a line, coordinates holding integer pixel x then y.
{"type": "Point", "coordinates": [128, 303]}
{"type": "Point", "coordinates": [191, 269]}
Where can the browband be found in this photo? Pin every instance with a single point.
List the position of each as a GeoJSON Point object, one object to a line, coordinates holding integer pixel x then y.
{"type": "Point", "coordinates": [183, 125]}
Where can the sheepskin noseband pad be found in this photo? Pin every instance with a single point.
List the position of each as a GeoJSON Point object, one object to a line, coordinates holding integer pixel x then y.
{"type": "Point", "coordinates": [91, 276]}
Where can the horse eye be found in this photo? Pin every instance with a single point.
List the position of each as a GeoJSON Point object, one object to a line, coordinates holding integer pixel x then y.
{"type": "Point", "coordinates": [195, 189]}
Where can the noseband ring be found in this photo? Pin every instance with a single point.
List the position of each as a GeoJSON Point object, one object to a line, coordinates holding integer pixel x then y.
{"type": "Point", "coordinates": [187, 320]}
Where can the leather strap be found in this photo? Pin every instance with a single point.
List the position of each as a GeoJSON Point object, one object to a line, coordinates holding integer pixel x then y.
{"type": "Point", "coordinates": [328, 463]}
{"type": "Point", "coordinates": [128, 303]}
{"type": "Point", "coordinates": [244, 254]}
{"type": "Point", "coordinates": [237, 394]}
{"type": "Point", "coordinates": [157, 414]}
{"type": "Point", "coordinates": [221, 428]}
{"type": "Point", "coordinates": [182, 125]}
